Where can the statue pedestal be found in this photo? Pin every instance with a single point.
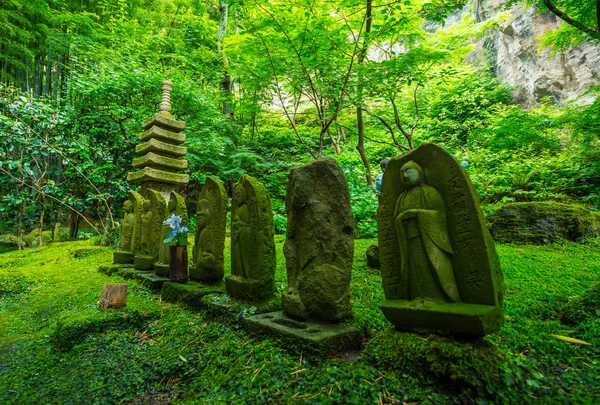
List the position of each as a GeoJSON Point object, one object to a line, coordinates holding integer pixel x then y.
{"type": "Point", "coordinates": [249, 289]}
{"type": "Point", "coordinates": [471, 319]}
{"type": "Point", "coordinates": [316, 336]}
{"type": "Point", "coordinates": [122, 257]}
{"type": "Point", "coordinates": [161, 269]}
{"type": "Point", "coordinates": [143, 262]}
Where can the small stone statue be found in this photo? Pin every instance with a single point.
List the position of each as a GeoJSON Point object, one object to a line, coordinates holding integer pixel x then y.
{"type": "Point", "coordinates": [154, 208]}
{"type": "Point", "coordinates": [439, 266]}
{"type": "Point", "coordinates": [252, 247]}
{"type": "Point", "coordinates": [146, 240]}
{"type": "Point", "coordinates": [425, 250]}
{"type": "Point", "coordinates": [211, 221]}
{"type": "Point", "coordinates": [127, 227]}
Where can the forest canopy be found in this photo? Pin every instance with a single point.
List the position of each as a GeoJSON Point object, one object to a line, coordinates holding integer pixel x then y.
{"type": "Point", "coordinates": [266, 85]}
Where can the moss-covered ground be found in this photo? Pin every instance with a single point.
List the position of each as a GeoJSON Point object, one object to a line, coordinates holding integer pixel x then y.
{"type": "Point", "coordinates": [56, 347]}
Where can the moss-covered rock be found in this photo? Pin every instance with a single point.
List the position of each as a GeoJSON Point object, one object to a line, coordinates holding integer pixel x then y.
{"type": "Point", "coordinates": [580, 308]}
{"type": "Point", "coordinates": [373, 257]}
{"type": "Point", "coordinates": [32, 238]}
{"type": "Point", "coordinates": [454, 362]}
{"type": "Point", "coordinates": [72, 329]}
{"type": "Point", "coordinates": [543, 222]}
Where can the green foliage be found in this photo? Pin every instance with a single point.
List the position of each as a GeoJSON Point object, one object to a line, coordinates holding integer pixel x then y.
{"type": "Point", "coordinates": [207, 358]}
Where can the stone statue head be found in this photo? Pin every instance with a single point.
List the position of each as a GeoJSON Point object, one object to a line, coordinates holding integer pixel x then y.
{"type": "Point", "coordinates": [412, 174]}
{"type": "Point", "coordinates": [239, 195]}
{"type": "Point", "coordinates": [127, 206]}
{"type": "Point", "coordinates": [203, 213]}
{"type": "Point", "coordinates": [172, 206]}
{"type": "Point", "coordinates": [147, 205]}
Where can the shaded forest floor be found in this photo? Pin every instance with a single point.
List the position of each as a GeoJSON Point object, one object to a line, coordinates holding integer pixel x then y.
{"type": "Point", "coordinates": [155, 352]}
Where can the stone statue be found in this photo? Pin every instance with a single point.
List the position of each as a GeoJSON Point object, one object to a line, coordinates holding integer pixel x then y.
{"type": "Point", "coordinates": [130, 229]}
{"type": "Point", "coordinates": [154, 208]}
{"type": "Point", "coordinates": [176, 206]}
{"type": "Point", "coordinates": [439, 266]}
{"type": "Point", "coordinates": [146, 242]}
{"type": "Point", "coordinates": [425, 250]}
{"type": "Point", "coordinates": [252, 247]}
{"type": "Point", "coordinates": [211, 221]}
{"type": "Point", "coordinates": [127, 227]}
{"type": "Point", "coordinates": [319, 245]}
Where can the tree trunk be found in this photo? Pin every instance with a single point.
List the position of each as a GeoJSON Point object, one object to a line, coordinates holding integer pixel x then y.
{"type": "Point", "coordinates": [56, 78]}
{"type": "Point", "coordinates": [48, 82]}
{"type": "Point", "coordinates": [74, 229]}
{"type": "Point", "coordinates": [113, 296]}
{"type": "Point", "coordinates": [360, 146]}
{"type": "Point", "coordinates": [41, 226]}
{"type": "Point", "coordinates": [20, 210]}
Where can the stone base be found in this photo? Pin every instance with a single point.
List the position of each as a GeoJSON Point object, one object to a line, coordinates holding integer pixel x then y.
{"type": "Point", "coordinates": [110, 269]}
{"type": "Point", "coordinates": [122, 257]}
{"type": "Point", "coordinates": [150, 280]}
{"type": "Point", "coordinates": [190, 293]}
{"type": "Point", "coordinates": [129, 273]}
{"type": "Point", "coordinates": [244, 288]}
{"type": "Point", "coordinates": [142, 262]}
{"type": "Point", "coordinates": [319, 337]}
{"type": "Point", "coordinates": [161, 269]}
{"type": "Point", "coordinates": [471, 319]}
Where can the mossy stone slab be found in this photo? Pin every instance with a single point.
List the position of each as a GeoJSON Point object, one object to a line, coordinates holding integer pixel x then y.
{"type": "Point", "coordinates": [129, 273]}
{"type": "Point", "coordinates": [248, 289]}
{"type": "Point", "coordinates": [190, 293]}
{"type": "Point", "coordinates": [161, 269]}
{"type": "Point", "coordinates": [150, 280]}
{"type": "Point", "coordinates": [164, 121]}
{"type": "Point", "coordinates": [143, 262]}
{"type": "Point", "coordinates": [110, 269]}
{"type": "Point", "coordinates": [162, 148]}
{"type": "Point", "coordinates": [148, 174]}
{"type": "Point", "coordinates": [312, 336]}
{"type": "Point", "coordinates": [155, 161]}
{"type": "Point", "coordinates": [470, 319]}
{"type": "Point", "coordinates": [121, 257]}
{"type": "Point", "coordinates": [162, 135]}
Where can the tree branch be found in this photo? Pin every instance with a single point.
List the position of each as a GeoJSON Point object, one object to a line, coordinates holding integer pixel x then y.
{"type": "Point", "coordinates": [563, 16]}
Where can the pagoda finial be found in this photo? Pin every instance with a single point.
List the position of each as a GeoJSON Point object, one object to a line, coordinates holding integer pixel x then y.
{"type": "Point", "coordinates": [165, 103]}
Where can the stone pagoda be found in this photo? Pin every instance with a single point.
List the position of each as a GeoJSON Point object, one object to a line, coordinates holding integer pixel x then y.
{"type": "Point", "coordinates": [161, 152]}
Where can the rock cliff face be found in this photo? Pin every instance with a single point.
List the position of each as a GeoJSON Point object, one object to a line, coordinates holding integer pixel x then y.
{"type": "Point", "coordinates": [533, 72]}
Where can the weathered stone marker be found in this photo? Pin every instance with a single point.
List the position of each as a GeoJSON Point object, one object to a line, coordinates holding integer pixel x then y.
{"type": "Point", "coordinates": [175, 206]}
{"type": "Point", "coordinates": [319, 250]}
{"type": "Point", "coordinates": [130, 229]}
{"type": "Point", "coordinates": [253, 259]}
{"type": "Point", "coordinates": [319, 245]}
{"type": "Point", "coordinates": [150, 230]}
{"type": "Point", "coordinates": [211, 221]}
{"type": "Point", "coordinates": [438, 262]}
{"type": "Point", "coordinates": [113, 296]}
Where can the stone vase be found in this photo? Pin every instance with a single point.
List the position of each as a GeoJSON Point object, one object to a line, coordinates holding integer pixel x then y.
{"type": "Point", "coordinates": [178, 268]}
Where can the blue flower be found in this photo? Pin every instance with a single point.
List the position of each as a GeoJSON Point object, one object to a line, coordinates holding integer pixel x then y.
{"type": "Point", "coordinates": [464, 163]}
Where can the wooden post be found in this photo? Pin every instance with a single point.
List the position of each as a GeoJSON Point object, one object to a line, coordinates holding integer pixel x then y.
{"type": "Point", "coordinates": [113, 296]}
{"type": "Point", "coordinates": [178, 268]}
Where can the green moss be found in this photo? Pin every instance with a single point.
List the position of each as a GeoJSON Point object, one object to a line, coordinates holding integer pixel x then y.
{"type": "Point", "coordinates": [72, 329]}
{"type": "Point", "coordinates": [463, 363]}
{"type": "Point", "coordinates": [583, 307]}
